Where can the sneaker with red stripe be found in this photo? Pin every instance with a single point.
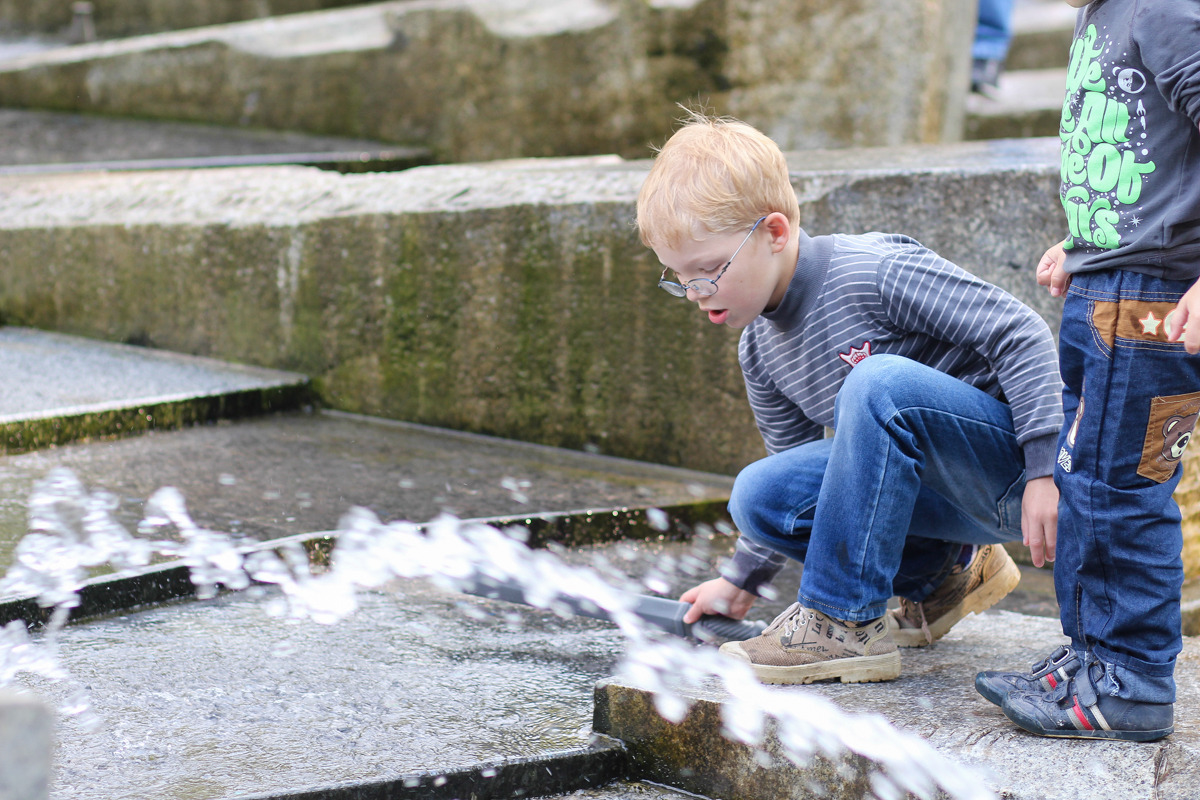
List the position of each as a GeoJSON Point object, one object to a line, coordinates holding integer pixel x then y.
{"type": "Point", "coordinates": [1075, 710]}
{"type": "Point", "coordinates": [1043, 676]}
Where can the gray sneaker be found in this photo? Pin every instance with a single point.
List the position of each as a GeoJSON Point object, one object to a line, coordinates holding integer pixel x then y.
{"type": "Point", "coordinates": [803, 645]}
{"type": "Point", "coordinates": [967, 590]}
{"type": "Point", "coordinates": [1076, 710]}
{"type": "Point", "coordinates": [1043, 676]}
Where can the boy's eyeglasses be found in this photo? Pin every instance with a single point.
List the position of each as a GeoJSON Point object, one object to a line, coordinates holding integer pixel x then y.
{"type": "Point", "coordinates": [705, 287]}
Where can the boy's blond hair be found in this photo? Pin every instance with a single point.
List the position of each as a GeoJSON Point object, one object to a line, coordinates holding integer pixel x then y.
{"type": "Point", "coordinates": [714, 175]}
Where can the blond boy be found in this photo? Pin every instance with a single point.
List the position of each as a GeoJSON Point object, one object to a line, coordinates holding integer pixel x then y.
{"type": "Point", "coordinates": [942, 390]}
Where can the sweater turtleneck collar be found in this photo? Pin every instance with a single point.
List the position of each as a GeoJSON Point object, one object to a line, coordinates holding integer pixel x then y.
{"type": "Point", "coordinates": [811, 265]}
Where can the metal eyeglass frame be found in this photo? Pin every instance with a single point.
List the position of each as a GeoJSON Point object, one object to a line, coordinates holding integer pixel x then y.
{"type": "Point", "coordinates": [697, 284]}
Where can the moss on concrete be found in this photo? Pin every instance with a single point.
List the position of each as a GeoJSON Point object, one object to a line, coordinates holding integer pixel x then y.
{"type": "Point", "coordinates": [35, 434]}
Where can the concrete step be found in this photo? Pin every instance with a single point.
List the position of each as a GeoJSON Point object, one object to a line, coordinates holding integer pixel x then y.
{"type": "Point", "coordinates": [291, 474]}
{"type": "Point", "coordinates": [935, 701]}
{"type": "Point", "coordinates": [1027, 103]}
{"type": "Point", "coordinates": [114, 18]}
{"type": "Point", "coordinates": [1029, 99]}
{"type": "Point", "coordinates": [1042, 32]}
{"type": "Point", "coordinates": [42, 142]}
{"type": "Point", "coordinates": [350, 278]}
{"type": "Point", "coordinates": [475, 80]}
{"type": "Point", "coordinates": [59, 389]}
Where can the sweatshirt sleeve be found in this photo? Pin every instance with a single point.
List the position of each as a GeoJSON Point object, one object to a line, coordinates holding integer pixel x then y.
{"type": "Point", "coordinates": [924, 292]}
{"type": "Point", "coordinates": [1168, 37]}
{"type": "Point", "coordinates": [752, 566]}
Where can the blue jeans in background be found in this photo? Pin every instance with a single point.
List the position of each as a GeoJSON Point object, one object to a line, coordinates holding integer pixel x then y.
{"type": "Point", "coordinates": [993, 33]}
{"type": "Point", "coordinates": [1131, 399]}
{"type": "Point", "coordinates": [920, 464]}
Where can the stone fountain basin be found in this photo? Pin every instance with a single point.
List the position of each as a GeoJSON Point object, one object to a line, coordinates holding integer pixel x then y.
{"type": "Point", "coordinates": [218, 699]}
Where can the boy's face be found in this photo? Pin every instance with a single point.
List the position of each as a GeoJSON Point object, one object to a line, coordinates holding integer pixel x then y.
{"type": "Point", "coordinates": [744, 288]}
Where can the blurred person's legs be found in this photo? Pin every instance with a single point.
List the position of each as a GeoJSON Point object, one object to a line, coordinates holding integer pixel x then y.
{"type": "Point", "coordinates": [993, 33]}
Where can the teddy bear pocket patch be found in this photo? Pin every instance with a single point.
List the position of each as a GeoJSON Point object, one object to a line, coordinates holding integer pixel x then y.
{"type": "Point", "coordinates": [1168, 432]}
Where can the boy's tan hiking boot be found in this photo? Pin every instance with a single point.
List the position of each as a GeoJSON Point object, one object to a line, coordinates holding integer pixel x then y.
{"type": "Point", "coordinates": [968, 590]}
{"type": "Point", "coordinates": [803, 645]}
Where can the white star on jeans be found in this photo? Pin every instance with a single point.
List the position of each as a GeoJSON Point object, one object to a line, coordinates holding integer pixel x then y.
{"type": "Point", "coordinates": [1150, 324]}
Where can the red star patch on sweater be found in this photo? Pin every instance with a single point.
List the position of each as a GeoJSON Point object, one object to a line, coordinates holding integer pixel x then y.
{"type": "Point", "coordinates": [856, 354]}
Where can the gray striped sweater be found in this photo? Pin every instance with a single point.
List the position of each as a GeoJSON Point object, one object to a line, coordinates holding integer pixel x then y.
{"type": "Point", "coordinates": [854, 296]}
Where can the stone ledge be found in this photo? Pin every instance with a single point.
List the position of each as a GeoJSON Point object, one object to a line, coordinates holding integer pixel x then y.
{"type": "Point", "coordinates": [508, 298]}
{"type": "Point", "coordinates": [138, 17]}
{"type": "Point", "coordinates": [161, 583]}
{"type": "Point", "coordinates": [44, 142]}
{"type": "Point", "coordinates": [1026, 103]}
{"type": "Point", "coordinates": [600, 763]}
{"type": "Point", "coordinates": [935, 699]}
{"type": "Point", "coordinates": [60, 389]}
{"type": "Point", "coordinates": [487, 79]}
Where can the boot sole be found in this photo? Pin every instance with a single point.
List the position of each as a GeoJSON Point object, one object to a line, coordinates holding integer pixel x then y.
{"type": "Point", "coordinates": [858, 669]}
{"type": "Point", "coordinates": [990, 592]}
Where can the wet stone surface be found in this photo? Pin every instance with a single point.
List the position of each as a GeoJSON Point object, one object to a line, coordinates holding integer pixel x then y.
{"type": "Point", "coordinates": [298, 473]}
{"type": "Point", "coordinates": [51, 375]}
{"type": "Point", "coordinates": [217, 698]}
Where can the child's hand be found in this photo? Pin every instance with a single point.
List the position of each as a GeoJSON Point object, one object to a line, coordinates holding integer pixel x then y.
{"type": "Point", "coordinates": [717, 596]}
{"type": "Point", "coordinates": [1050, 271]}
{"type": "Point", "coordinates": [1178, 328]}
{"type": "Point", "coordinates": [1039, 519]}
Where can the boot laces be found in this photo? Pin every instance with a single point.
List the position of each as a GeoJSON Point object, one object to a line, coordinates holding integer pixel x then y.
{"type": "Point", "coordinates": [796, 621]}
{"type": "Point", "coordinates": [912, 612]}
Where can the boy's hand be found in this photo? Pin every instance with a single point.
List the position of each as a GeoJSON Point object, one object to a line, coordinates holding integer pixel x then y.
{"type": "Point", "coordinates": [717, 596]}
{"type": "Point", "coordinates": [1177, 321]}
{"type": "Point", "coordinates": [1050, 271]}
{"type": "Point", "coordinates": [1039, 519]}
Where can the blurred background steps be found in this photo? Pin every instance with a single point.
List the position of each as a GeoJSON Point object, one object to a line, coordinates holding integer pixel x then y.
{"type": "Point", "coordinates": [1028, 100]}
{"type": "Point", "coordinates": [42, 142]}
{"type": "Point", "coordinates": [74, 22]}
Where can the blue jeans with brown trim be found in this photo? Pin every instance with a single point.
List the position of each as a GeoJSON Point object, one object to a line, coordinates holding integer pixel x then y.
{"type": "Point", "coordinates": [1131, 400]}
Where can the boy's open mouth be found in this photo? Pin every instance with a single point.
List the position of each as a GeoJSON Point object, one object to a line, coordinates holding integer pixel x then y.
{"type": "Point", "coordinates": [718, 316]}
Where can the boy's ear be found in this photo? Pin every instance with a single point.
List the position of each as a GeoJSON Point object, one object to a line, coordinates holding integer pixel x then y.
{"type": "Point", "coordinates": [779, 229]}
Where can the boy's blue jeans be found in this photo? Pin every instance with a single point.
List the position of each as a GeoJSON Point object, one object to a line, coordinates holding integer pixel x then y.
{"type": "Point", "coordinates": [920, 464]}
{"type": "Point", "coordinates": [1131, 400]}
